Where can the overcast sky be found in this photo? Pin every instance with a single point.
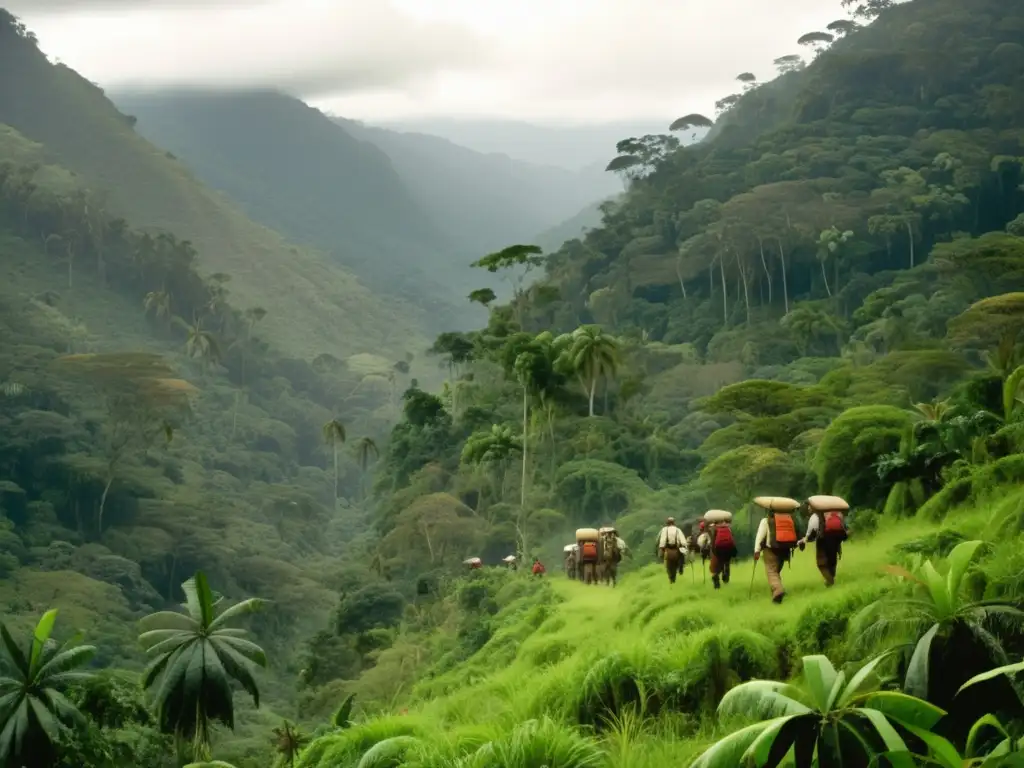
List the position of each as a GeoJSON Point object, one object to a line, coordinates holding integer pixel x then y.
{"type": "Point", "coordinates": [546, 61]}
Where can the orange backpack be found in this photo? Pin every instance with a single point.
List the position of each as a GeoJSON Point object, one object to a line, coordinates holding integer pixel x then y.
{"type": "Point", "coordinates": [588, 552]}
{"type": "Point", "coordinates": [781, 530]}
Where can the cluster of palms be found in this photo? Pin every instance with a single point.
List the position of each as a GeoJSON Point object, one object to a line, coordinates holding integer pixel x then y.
{"type": "Point", "coordinates": [935, 707]}
{"type": "Point", "coordinates": [365, 450]}
{"type": "Point", "coordinates": [196, 657]}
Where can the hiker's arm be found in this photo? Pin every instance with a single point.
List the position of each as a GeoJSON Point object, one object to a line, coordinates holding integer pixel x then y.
{"type": "Point", "coordinates": [812, 528]}
{"type": "Point", "coordinates": [759, 539]}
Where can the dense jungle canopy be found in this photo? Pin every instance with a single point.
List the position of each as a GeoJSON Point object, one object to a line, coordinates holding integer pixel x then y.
{"type": "Point", "coordinates": [226, 457]}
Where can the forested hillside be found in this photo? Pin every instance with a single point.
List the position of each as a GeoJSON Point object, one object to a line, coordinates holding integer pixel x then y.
{"type": "Point", "coordinates": [317, 306]}
{"type": "Point", "coordinates": [485, 200]}
{"type": "Point", "coordinates": [826, 296]}
{"type": "Point", "coordinates": [293, 169]}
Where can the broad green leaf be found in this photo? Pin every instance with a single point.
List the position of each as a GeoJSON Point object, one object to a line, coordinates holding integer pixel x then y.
{"type": "Point", "coordinates": [343, 715]}
{"type": "Point", "coordinates": [906, 709]}
{"type": "Point", "coordinates": [986, 721]}
{"type": "Point", "coordinates": [168, 620]}
{"type": "Point", "coordinates": [937, 589]}
{"type": "Point", "coordinates": [762, 698]}
{"type": "Point", "coordinates": [772, 745]}
{"type": "Point", "coordinates": [66, 661]}
{"type": "Point", "coordinates": [940, 750]}
{"type": "Point", "coordinates": [916, 683]}
{"type": "Point", "coordinates": [728, 752]}
{"type": "Point", "coordinates": [1009, 669]}
{"type": "Point", "coordinates": [860, 677]}
{"type": "Point", "coordinates": [884, 729]}
{"type": "Point", "coordinates": [837, 688]}
{"type": "Point", "coordinates": [820, 676]}
{"type": "Point", "coordinates": [959, 561]}
{"type": "Point", "coordinates": [14, 652]}
{"type": "Point", "coordinates": [243, 608]}
{"type": "Point", "coordinates": [388, 752]}
{"type": "Point", "coordinates": [200, 598]}
{"type": "Point", "coordinates": [42, 633]}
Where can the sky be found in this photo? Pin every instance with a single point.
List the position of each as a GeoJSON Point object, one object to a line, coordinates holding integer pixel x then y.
{"type": "Point", "coordinates": [541, 61]}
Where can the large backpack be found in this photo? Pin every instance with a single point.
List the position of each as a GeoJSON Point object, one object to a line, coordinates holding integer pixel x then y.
{"type": "Point", "coordinates": [833, 525]}
{"type": "Point", "coordinates": [781, 530]}
{"type": "Point", "coordinates": [723, 537]}
{"type": "Point", "coordinates": [588, 552]}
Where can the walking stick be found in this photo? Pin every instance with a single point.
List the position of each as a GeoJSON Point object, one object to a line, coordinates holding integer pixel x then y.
{"type": "Point", "coordinates": [750, 592]}
{"type": "Point", "coordinates": [703, 570]}
{"type": "Point", "coordinates": [693, 576]}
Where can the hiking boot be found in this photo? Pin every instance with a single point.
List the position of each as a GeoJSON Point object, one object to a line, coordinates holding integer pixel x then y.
{"type": "Point", "coordinates": [778, 598]}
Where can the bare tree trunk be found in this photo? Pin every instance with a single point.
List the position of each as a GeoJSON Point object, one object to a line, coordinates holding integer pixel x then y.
{"type": "Point", "coordinates": [526, 411]}
{"type": "Point", "coordinates": [593, 388]}
{"type": "Point", "coordinates": [335, 475]}
{"type": "Point", "coordinates": [785, 289]}
{"type": "Point", "coordinates": [910, 237]}
{"type": "Point", "coordinates": [103, 502]}
{"type": "Point", "coordinates": [825, 278]}
{"type": "Point", "coordinates": [746, 292]}
{"type": "Point", "coordinates": [767, 273]}
{"type": "Point", "coordinates": [725, 293]}
{"type": "Point", "coordinates": [679, 276]}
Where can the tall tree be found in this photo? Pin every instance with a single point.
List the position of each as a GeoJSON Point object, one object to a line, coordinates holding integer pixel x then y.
{"type": "Point", "coordinates": [592, 355]}
{"type": "Point", "coordinates": [516, 261]}
{"type": "Point", "coordinates": [365, 450]}
{"type": "Point", "coordinates": [334, 436]}
{"type": "Point", "coordinates": [196, 656]}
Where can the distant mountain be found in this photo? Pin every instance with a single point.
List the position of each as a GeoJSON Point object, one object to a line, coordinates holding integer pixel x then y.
{"type": "Point", "coordinates": [314, 305]}
{"type": "Point", "coordinates": [573, 147]}
{"type": "Point", "coordinates": [551, 239]}
{"type": "Point", "coordinates": [485, 201]}
{"type": "Point", "coordinates": [294, 169]}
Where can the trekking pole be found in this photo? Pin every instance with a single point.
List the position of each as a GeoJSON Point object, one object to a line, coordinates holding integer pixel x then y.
{"type": "Point", "coordinates": [753, 574]}
{"type": "Point", "coordinates": [704, 571]}
{"type": "Point", "coordinates": [693, 576]}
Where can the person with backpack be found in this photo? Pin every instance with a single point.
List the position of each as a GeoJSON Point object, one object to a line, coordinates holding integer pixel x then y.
{"type": "Point", "coordinates": [776, 539]}
{"type": "Point", "coordinates": [827, 529]}
{"type": "Point", "coordinates": [589, 554]}
{"type": "Point", "coordinates": [721, 544]}
{"type": "Point", "coordinates": [672, 549]}
{"type": "Point", "coordinates": [570, 560]}
{"type": "Point", "coordinates": [538, 567]}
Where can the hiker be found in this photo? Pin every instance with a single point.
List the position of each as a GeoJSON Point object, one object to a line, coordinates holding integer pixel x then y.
{"type": "Point", "coordinates": [703, 543]}
{"type": "Point", "coordinates": [587, 540]}
{"type": "Point", "coordinates": [538, 567]}
{"type": "Point", "coordinates": [721, 544]}
{"type": "Point", "coordinates": [474, 563]}
{"type": "Point", "coordinates": [570, 551]}
{"type": "Point", "coordinates": [610, 553]}
{"type": "Point", "coordinates": [672, 549]}
{"type": "Point", "coordinates": [775, 540]}
{"type": "Point", "coordinates": [510, 563]}
{"type": "Point", "coordinates": [827, 529]}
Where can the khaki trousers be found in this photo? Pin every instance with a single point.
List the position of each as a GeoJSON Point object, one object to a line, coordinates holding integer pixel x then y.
{"type": "Point", "coordinates": [720, 570]}
{"type": "Point", "coordinates": [673, 563]}
{"type": "Point", "coordinates": [773, 562]}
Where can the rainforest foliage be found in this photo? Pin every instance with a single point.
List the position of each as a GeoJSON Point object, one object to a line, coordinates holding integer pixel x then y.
{"type": "Point", "coordinates": [823, 296]}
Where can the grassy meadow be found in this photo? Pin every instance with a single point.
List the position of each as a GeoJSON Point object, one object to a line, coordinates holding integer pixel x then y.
{"type": "Point", "coordinates": [595, 676]}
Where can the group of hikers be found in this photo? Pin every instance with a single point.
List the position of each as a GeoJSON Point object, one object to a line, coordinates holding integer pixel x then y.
{"type": "Point", "coordinates": [595, 556]}
{"type": "Point", "coordinates": [774, 542]}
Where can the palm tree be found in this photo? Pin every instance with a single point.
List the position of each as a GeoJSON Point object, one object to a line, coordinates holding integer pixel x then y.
{"type": "Point", "coordinates": [592, 355]}
{"type": "Point", "coordinates": [364, 449]}
{"type": "Point", "coordinates": [288, 742]}
{"type": "Point", "coordinates": [196, 655]}
{"type": "Point", "coordinates": [158, 303]}
{"type": "Point", "coordinates": [334, 435]}
{"type": "Point", "coordinates": [951, 632]}
{"type": "Point", "coordinates": [32, 706]}
{"type": "Point", "coordinates": [200, 343]}
{"type": "Point", "coordinates": [843, 721]}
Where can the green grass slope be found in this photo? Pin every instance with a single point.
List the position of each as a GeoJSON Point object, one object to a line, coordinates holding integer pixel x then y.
{"type": "Point", "coordinates": [293, 169]}
{"type": "Point", "coordinates": [317, 307]}
{"type": "Point", "coordinates": [631, 675]}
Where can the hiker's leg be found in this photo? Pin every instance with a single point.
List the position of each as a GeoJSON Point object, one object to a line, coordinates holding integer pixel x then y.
{"type": "Point", "coordinates": [726, 569]}
{"type": "Point", "coordinates": [715, 569]}
{"type": "Point", "coordinates": [821, 558]}
{"type": "Point", "coordinates": [772, 563]}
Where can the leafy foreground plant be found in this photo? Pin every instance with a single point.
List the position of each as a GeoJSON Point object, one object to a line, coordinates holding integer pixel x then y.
{"type": "Point", "coordinates": [942, 621]}
{"type": "Point", "coordinates": [196, 656]}
{"type": "Point", "coordinates": [32, 707]}
{"type": "Point", "coordinates": [839, 722]}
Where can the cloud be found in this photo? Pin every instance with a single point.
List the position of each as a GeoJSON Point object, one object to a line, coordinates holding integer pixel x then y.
{"type": "Point", "coordinates": [307, 47]}
{"type": "Point", "coordinates": [532, 59]}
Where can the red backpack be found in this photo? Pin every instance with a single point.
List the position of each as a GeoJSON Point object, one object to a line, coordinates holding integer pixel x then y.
{"type": "Point", "coordinates": [588, 552]}
{"type": "Point", "coordinates": [723, 537]}
{"type": "Point", "coordinates": [835, 525]}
